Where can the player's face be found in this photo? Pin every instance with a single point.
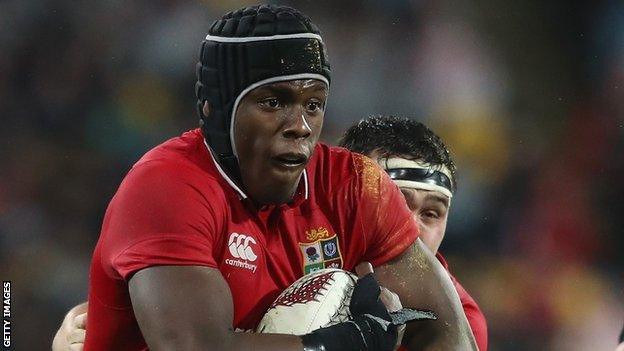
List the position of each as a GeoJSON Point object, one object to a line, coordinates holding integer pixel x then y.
{"type": "Point", "coordinates": [276, 128]}
{"type": "Point", "coordinates": [430, 210]}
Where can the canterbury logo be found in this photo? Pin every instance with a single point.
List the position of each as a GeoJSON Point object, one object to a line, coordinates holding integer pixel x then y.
{"type": "Point", "coordinates": [240, 246]}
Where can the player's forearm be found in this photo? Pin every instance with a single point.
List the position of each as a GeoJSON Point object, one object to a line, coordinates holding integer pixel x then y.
{"type": "Point", "coordinates": [421, 282]}
{"type": "Point", "coordinates": [451, 331]}
{"type": "Point", "coordinates": [231, 342]}
{"type": "Point", "coordinates": [264, 342]}
{"type": "Point", "coordinates": [190, 308]}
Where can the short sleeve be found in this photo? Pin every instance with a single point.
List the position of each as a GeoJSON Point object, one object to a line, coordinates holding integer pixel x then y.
{"type": "Point", "coordinates": [162, 214]}
{"type": "Point", "coordinates": [387, 221]}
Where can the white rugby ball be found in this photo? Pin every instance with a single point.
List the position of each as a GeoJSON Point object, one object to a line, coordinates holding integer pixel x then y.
{"type": "Point", "coordinates": [314, 301]}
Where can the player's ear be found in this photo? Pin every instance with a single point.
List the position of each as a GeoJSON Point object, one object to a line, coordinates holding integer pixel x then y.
{"type": "Point", "coordinates": [206, 108]}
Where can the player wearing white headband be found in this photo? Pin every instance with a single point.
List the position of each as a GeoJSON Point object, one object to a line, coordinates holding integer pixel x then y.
{"type": "Point", "coordinates": [419, 174]}
{"type": "Point", "coordinates": [418, 162]}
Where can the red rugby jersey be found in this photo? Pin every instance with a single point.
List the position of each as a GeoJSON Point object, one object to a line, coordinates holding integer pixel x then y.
{"type": "Point", "coordinates": [176, 207]}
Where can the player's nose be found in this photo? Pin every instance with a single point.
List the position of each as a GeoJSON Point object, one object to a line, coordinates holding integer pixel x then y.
{"type": "Point", "coordinates": [296, 126]}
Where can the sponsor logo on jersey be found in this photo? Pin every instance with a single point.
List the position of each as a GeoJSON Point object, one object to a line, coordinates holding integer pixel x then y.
{"type": "Point", "coordinates": [322, 252]}
{"type": "Point", "coordinates": [241, 248]}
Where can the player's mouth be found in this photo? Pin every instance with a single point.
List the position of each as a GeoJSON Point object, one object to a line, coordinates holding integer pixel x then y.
{"type": "Point", "coordinates": [290, 160]}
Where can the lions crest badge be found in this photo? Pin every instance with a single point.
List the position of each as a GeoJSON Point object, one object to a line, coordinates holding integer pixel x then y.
{"type": "Point", "coordinates": [322, 252]}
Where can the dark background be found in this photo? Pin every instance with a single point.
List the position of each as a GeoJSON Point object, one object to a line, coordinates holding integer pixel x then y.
{"type": "Point", "coordinates": [527, 94]}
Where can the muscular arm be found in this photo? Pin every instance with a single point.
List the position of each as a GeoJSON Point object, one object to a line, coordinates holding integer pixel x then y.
{"type": "Point", "coordinates": [421, 282]}
{"type": "Point", "coordinates": [190, 308]}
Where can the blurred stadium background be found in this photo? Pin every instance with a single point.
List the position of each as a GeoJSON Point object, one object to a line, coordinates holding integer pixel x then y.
{"type": "Point", "coordinates": [527, 94]}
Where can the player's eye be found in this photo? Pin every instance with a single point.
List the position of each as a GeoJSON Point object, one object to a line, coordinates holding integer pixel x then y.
{"type": "Point", "coordinates": [313, 106]}
{"type": "Point", "coordinates": [430, 214]}
{"type": "Point", "coordinates": [271, 103]}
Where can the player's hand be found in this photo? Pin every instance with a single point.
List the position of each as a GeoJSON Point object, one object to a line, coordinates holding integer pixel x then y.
{"type": "Point", "coordinates": [372, 305]}
{"type": "Point", "coordinates": [393, 305]}
{"type": "Point", "coordinates": [71, 334]}
{"type": "Point", "coordinates": [372, 294]}
{"type": "Point", "coordinates": [388, 298]}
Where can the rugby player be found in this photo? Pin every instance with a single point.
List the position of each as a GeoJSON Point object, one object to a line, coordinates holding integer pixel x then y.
{"type": "Point", "coordinates": [208, 228]}
{"type": "Point", "coordinates": [393, 140]}
{"type": "Point", "coordinates": [417, 160]}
